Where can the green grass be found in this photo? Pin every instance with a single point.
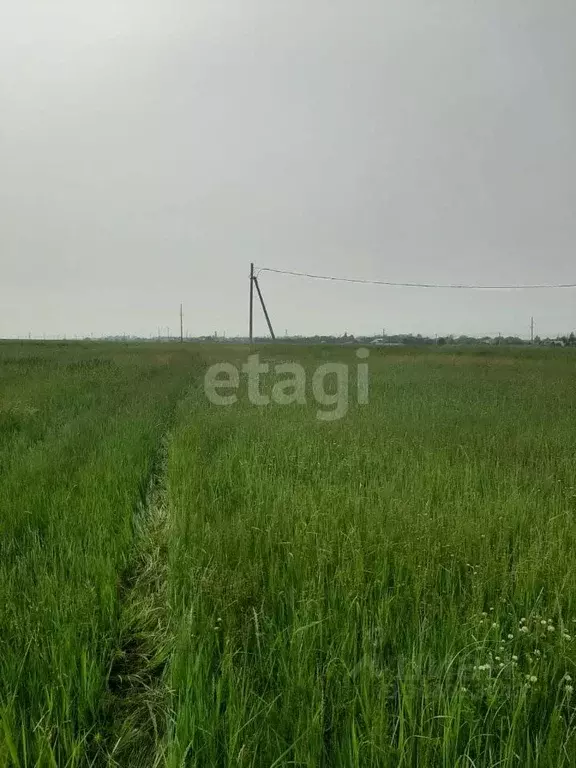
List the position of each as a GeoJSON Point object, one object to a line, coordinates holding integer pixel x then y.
{"type": "Point", "coordinates": [79, 430]}
{"type": "Point", "coordinates": [373, 591]}
{"type": "Point", "coordinates": [331, 579]}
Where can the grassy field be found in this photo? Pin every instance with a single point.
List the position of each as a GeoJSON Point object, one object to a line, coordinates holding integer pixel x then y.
{"type": "Point", "coordinates": [186, 584]}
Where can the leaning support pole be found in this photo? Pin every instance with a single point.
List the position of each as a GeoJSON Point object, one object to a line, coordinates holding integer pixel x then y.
{"type": "Point", "coordinates": [255, 281]}
{"type": "Point", "coordinates": [251, 321]}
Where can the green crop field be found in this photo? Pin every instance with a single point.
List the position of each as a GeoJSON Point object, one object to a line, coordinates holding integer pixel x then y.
{"type": "Point", "coordinates": [190, 584]}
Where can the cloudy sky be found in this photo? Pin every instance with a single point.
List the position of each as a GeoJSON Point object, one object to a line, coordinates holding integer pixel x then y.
{"type": "Point", "coordinates": [150, 149]}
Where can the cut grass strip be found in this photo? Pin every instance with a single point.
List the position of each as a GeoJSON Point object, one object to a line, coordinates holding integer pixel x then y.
{"type": "Point", "coordinates": [138, 699]}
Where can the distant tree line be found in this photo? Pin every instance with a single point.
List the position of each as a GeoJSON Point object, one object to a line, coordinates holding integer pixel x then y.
{"type": "Point", "coordinates": [415, 340]}
{"type": "Point", "coordinates": [402, 339]}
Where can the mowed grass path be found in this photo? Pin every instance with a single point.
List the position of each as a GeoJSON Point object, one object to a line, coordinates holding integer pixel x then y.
{"type": "Point", "coordinates": [396, 588]}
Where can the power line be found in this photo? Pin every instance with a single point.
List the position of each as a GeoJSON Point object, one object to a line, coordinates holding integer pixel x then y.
{"type": "Point", "coordinates": [417, 285]}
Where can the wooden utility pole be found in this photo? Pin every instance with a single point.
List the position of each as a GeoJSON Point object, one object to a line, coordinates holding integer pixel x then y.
{"type": "Point", "coordinates": [181, 326]}
{"type": "Point", "coordinates": [251, 322]}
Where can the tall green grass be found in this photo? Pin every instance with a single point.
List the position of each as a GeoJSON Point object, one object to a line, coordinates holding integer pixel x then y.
{"type": "Point", "coordinates": [393, 589]}
{"type": "Point", "coordinates": [79, 429]}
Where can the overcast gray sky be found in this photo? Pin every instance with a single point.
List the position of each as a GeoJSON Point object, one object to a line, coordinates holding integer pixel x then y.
{"type": "Point", "coordinates": [149, 150]}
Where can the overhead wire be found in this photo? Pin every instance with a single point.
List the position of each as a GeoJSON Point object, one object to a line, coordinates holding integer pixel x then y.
{"type": "Point", "coordinates": [460, 286]}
